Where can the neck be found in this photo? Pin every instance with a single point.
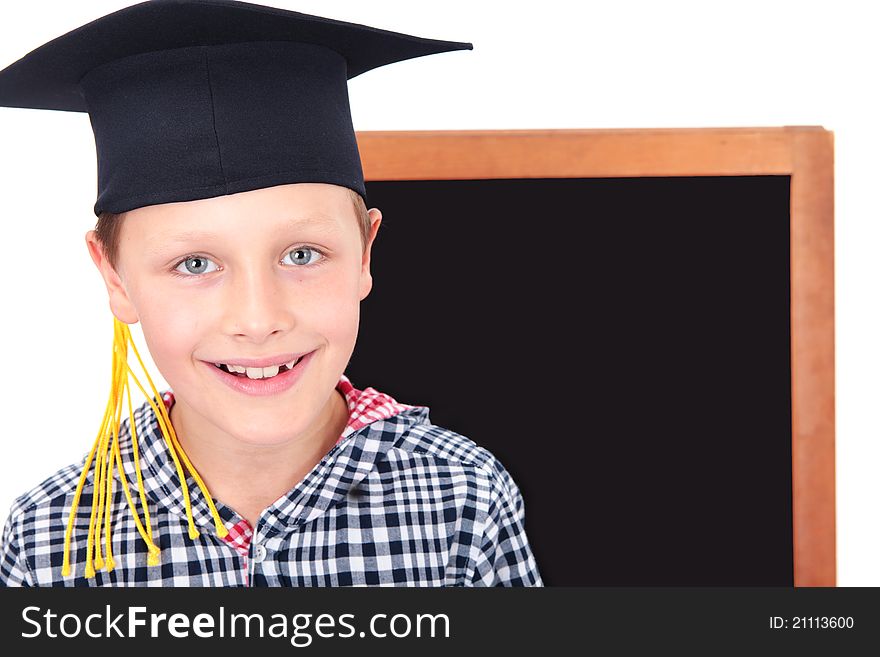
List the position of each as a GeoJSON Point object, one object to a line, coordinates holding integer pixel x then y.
{"type": "Point", "coordinates": [228, 465]}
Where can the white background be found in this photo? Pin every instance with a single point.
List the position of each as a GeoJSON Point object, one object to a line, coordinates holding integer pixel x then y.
{"type": "Point", "coordinates": [549, 64]}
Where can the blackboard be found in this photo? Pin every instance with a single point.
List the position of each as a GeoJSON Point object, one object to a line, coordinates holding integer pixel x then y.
{"type": "Point", "coordinates": [622, 345]}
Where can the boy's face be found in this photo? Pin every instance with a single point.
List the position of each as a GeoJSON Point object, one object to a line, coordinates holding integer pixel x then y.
{"type": "Point", "coordinates": [229, 278]}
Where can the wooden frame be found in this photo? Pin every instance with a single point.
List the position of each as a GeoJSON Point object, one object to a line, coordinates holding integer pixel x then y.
{"type": "Point", "coordinates": [804, 153]}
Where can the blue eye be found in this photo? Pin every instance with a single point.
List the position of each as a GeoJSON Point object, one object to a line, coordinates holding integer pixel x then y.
{"type": "Point", "coordinates": [195, 264]}
{"type": "Point", "coordinates": [301, 255]}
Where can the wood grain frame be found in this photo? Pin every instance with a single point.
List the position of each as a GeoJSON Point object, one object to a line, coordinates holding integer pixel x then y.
{"type": "Point", "coordinates": [804, 153]}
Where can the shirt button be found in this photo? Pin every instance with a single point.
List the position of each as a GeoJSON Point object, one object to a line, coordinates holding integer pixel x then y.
{"type": "Point", "coordinates": [259, 553]}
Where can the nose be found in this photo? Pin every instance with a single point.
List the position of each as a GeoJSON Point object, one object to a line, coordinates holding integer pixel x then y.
{"type": "Point", "coordinates": [256, 307]}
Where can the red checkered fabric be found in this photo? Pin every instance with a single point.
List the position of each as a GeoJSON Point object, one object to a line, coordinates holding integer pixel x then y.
{"type": "Point", "coordinates": [239, 536]}
{"type": "Point", "coordinates": [366, 406]}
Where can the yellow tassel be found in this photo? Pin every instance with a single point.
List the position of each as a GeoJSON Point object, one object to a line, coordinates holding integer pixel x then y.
{"type": "Point", "coordinates": [153, 557]}
{"type": "Point", "coordinates": [106, 452]}
{"type": "Point", "coordinates": [154, 551]}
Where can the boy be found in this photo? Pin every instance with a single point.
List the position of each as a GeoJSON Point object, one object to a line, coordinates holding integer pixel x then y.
{"type": "Point", "coordinates": [232, 226]}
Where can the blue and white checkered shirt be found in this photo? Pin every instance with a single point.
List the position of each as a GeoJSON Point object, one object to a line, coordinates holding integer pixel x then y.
{"type": "Point", "coordinates": [398, 501]}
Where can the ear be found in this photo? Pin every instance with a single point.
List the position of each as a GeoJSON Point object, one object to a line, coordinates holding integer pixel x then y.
{"type": "Point", "coordinates": [120, 304]}
{"type": "Point", "coordinates": [366, 276]}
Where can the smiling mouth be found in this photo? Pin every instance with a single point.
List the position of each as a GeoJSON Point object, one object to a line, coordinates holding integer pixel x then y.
{"type": "Point", "coordinates": [258, 372]}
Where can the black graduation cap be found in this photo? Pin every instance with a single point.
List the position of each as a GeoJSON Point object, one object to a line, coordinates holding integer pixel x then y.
{"type": "Point", "coordinates": [192, 99]}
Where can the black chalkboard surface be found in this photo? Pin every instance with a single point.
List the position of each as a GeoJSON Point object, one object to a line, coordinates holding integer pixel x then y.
{"type": "Point", "coordinates": [622, 345]}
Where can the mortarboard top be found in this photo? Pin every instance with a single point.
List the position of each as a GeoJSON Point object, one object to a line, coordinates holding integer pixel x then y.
{"type": "Point", "coordinates": [191, 99]}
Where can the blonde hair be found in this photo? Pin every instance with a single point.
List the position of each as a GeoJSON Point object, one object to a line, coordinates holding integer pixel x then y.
{"type": "Point", "coordinates": [108, 228]}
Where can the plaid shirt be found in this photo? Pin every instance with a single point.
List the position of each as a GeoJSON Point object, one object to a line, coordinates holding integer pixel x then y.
{"type": "Point", "coordinates": [397, 501]}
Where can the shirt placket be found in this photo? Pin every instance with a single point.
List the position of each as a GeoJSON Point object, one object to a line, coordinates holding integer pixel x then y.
{"type": "Point", "coordinates": [240, 537]}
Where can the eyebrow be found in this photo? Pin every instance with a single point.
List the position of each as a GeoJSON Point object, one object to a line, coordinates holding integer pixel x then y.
{"type": "Point", "coordinates": [160, 244]}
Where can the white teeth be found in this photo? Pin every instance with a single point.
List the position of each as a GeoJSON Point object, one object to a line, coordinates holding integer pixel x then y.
{"type": "Point", "coordinates": [259, 372]}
